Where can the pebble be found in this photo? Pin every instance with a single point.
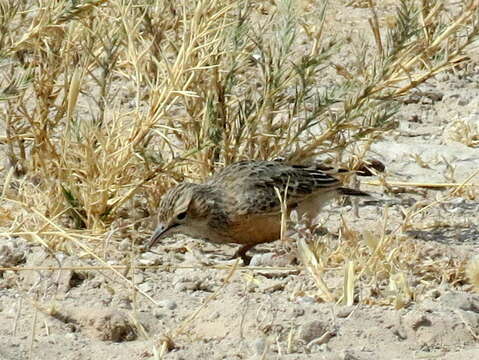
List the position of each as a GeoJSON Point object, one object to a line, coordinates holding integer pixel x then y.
{"type": "Point", "coordinates": [344, 311]}
{"type": "Point", "coordinates": [464, 101]}
{"type": "Point", "coordinates": [72, 336]}
{"type": "Point", "coordinates": [124, 245]}
{"type": "Point", "coordinates": [149, 259]}
{"type": "Point", "coordinates": [168, 304]}
{"type": "Point", "coordinates": [125, 303]}
{"type": "Point", "coordinates": [416, 319]}
{"type": "Point", "coordinates": [442, 77]}
{"type": "Point", "coordinates": [259, 346]}
{"type": "Point", "coordinates": [298, 311]}
{"type": "Point", "coordinates": [146, 287]}
{"type": "Point", "coordinates": [12, 252]}
{"type": "Point", "coordinates": [138, 278]}
{"type": "Point", "coordinates": [269, 259]}
{"type": "Point", "coordinates": [312, 330]}
{"type": "Point", "coordinates": [159, 313]}
{"type": "Point", "coordinates": [306, 300]}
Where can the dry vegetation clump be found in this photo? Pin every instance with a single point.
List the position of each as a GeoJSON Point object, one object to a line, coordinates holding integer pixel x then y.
{"type": "Point", "coordinates": [106, 104]}
{"type": "Point", "coordinates": [379, 267]}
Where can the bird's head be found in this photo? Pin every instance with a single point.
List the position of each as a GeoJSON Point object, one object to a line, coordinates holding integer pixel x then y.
{"type": "Point", "coordinates": [182, 210]}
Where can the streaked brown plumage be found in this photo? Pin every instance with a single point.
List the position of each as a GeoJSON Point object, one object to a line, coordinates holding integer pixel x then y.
{"type": "Point", "coordinates": [240, 205]}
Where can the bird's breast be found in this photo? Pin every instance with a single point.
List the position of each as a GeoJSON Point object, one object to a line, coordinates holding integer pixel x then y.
{"type": "Point", "coordinates": [255, 229]}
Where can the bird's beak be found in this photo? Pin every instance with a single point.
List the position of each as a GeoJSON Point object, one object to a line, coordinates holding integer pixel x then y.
{"type": "Point", "coordinates": [160, 230]}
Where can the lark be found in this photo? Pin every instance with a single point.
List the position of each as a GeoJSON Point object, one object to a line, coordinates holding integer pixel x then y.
{"type": "Point", "coordinates": [240, 203]}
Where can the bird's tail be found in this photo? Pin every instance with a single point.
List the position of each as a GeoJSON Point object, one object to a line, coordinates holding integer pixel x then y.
{"type": "Point", "coordinates": [368, 167]}
{"type": "Point", "coordinates": [365, 168]}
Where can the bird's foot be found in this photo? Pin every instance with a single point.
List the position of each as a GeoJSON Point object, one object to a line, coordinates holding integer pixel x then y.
{"type": "Point", "coordinates": [241, 253]}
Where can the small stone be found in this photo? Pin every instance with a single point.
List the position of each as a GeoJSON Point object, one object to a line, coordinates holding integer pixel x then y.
{"type": "Point", "coordinates": [429, 305]}
{"type": "Point", "coordinates": [103, 324]}
{"type": "Point", "coordinates": [215, 315]}
{"type": "Point", "coordinates": [168, 304]}
{"type": "Point", "coordinates": [138, 278]}
{"type": "Point", "coordinates": [464, 101]}
{"type": "Point", "coordinates": [12, 253]}
{"type": "Point", "coordinates": [159, 313]}
{"type": "Point", "coordinates": [416, 319]}
{"type": "Point", "coordinates": [269, 259]}
{"type": "Point", "coordinates": [432, 294]}
{"type": "Point", "coordinates": [187, 286]}
{"type": "Point", "coordinates": [95, 283]}
{"type": "Point", "coordinates": [271, 286]}
{"type": "Point", "coordinates": [124, 245]}
{"type": "Point", "coordinates": [344, 311]}
{"type": "Point", "coordinates": [106, 300]}
{"type": "Point", "coordinates": [191, 285]}
{"type": "Point", "coordinates": [146, 287]}
{"type": "Point", "coordinates": [298, 311]}
{"type": "Point", "coordinates": [442, 77]}
{"type": "Point", "coordinates": [259, 346]}
{"type": "Point", "coordinates": [347, 355]}
{"type": "Point", "coordinates": [180, 286]}
{"type": "Point", "coordinates": [312, 330]}
{"type": "Point", "coordinates": [125, 303]}
{"type": "Point", "coordinates": [71, 336]}
{"type": "Point", "coordinates": [149, 259]}
{"type": "Point", "coordinates": [306, 300]}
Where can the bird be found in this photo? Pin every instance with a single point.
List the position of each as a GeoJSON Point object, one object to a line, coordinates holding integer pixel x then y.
{"type": "Point", "coordinates": [241, 203]}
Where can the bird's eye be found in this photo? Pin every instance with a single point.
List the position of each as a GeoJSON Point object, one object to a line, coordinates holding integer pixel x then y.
{"type": "Point", "coordinates": [181, 216]}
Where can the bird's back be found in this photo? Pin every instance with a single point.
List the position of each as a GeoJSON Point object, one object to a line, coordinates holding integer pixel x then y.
{"type": "Point", "coordinates": [252, 185]}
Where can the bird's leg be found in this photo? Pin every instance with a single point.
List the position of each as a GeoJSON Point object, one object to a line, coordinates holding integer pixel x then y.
{"type": "Point", "coordinates": [241, 253]}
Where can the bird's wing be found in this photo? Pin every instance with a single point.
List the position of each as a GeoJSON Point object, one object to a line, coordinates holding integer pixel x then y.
{"type": "Point", "coordinates": [252, 184]}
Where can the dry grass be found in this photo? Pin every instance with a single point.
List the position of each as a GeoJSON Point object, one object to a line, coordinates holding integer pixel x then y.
{"type": "Point", "coordinates": [106, 104]}
{"type": "Point", "coordinates": [463, 131]}
{"type": "Point", "coordinates": [108, 100]}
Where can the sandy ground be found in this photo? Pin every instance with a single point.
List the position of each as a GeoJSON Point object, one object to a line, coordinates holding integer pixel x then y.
{"type": "Point", "coordinates": [272, 314]}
